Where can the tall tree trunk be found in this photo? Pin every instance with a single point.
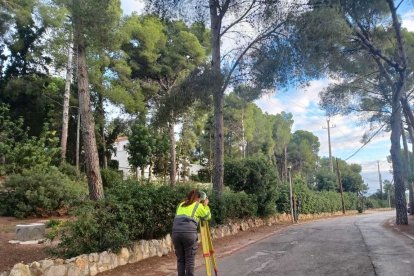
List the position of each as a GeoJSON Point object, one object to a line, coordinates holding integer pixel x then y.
{"type": "Point", "coordinates": [285, 163]}
{"type": "Point", "coordinates": [173, 168]}
{"type": "Point", "coordinates": [218, 171]}
{"type": "Point", "coordinates": [400, 203]}
{"type": "Point", "coordinates": [407, 167]}
{"type": "Point", "coordinates": [210, 158]}
{"type": "Point", "coordinates": [218, 98]}
{"type": "Point", "coordinates": [411, 134]}
{"type": "Point", "coordinates": [244, 138]}
{"type": "Point", "coordinates": [78, 140]}
{"type": "Point", "coordinates": [105, 159]}
{"type": "Point", "coordinates": [66, 97]}
{"type": "Point", "coordinates": [93, 172]}
{"type": "Point", "coordinates": [100, 117]}
{"type": "Point", "coordinates": [398, 90]}
{"type": "Point", "coordinates": [407, 110]}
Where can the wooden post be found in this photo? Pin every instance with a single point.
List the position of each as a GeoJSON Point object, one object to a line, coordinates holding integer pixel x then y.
{"type": "Point", "coordinates": [338, 172]}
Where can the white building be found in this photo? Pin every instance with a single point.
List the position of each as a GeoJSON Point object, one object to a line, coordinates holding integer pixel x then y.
{"type": "Point", "coordinates": [121, 155]}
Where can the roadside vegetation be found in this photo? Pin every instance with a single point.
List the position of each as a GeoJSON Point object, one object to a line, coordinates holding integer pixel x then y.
{"type": "Point", "coordinates": [163, 79]}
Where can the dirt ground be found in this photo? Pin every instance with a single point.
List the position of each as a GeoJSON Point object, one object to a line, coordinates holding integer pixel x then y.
{"type": "Point", "coordinates": [405, 230]}
{"type": "Point", "coordinates": [10, 254]}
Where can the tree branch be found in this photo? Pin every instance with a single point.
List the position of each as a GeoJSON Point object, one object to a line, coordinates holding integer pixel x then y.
{"type": "Point", "coordinates": [369, 46]}
{"type": "Point", "coordinates": [239, 19]}
{"type": "Point", "coordinates": [248, 47]}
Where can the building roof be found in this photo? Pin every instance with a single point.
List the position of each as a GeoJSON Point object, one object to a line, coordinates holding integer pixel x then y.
{"type": "Point", "coordinates": [121, 138]}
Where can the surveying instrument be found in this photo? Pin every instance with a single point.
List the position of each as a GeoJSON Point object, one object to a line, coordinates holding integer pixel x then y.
{"type": "Point", "coordinates": [208, 251]}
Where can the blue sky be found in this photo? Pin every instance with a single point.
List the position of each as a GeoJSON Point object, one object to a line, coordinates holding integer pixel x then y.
{"type": "Point", "coordinates": [302, 102]}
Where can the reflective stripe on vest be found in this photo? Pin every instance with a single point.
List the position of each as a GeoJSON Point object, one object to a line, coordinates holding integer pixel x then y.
{"type": "Point", "coordinates": [195, 209]}
{"type": "Point", "coordinates": [192, 213]}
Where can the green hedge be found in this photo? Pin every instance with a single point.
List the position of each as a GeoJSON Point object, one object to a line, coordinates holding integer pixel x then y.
{"type": "Point", "coordinates": [257, 177]}
{"type": "Point", "coordinates": [133, 211]}
{"type": "Point", "coordinates": [110, 177]}
{"type": "Point", "coordinates": [376, 203]}
{"type": "Point", "coordinates": [314, 202]}
{"type": "Point", "coordinates": [40, 193]}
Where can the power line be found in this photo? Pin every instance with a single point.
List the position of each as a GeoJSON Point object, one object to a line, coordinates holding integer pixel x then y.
{"type": "Point", "coordinates": [366, 143]}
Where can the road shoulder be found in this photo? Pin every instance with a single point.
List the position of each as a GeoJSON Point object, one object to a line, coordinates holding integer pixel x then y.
{"type": "Point", "coordinates": [404, 230]}
{"type": "Point", "coordinates": [166, 265]}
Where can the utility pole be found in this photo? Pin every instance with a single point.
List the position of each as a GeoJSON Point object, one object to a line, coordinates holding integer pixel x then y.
{"type": "Point", "coordinates": [380, 179]}
{"type": "Point", "coordinates": [290, 193]}
{"type": "Point", "coordinates": [329, 141]}
{"type": "Point", "coordinates": [338, 172]}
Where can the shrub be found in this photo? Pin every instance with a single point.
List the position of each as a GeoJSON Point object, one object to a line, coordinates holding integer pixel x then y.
{"type": "Point", "coordinates": [39, 193]}
{"type": "Point", "coordinates": [312, 202]}
{"type": "Point", "coordinates": [99, 226]}
{"type": "Point", "coordinates": [232, 206]}
{"type": "Point", "coordinates": [372, 202]}
{"type": "Point", "coordinates": [132, 211]}
{"type": "Point", "coordinates": [110, 177]}
{"type": "Point", "coordinates": [204, 175]}
{"type": "Point", "coordinates": [254, 176]}
{"type": "Point", "coordinates": [71, 172]}
{"type": "Point", "coordinates": [113, 164]}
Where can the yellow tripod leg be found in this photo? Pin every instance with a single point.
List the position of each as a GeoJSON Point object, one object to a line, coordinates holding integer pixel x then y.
{"type": "Point", "coordinates": [210, 243]}
{"type": "Point", "coordinates": [205, 245]}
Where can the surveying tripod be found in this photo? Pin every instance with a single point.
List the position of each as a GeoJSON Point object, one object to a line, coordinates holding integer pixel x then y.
{"type": "Point", "coordinates": [208, 251]}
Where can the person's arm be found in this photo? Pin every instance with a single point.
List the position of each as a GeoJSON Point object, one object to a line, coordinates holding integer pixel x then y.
{"type": "Point", "coordinates": [203, 212]}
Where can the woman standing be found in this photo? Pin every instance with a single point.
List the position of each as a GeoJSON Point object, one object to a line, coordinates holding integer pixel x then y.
{"type": "Point", "coordinates": [184, 232]}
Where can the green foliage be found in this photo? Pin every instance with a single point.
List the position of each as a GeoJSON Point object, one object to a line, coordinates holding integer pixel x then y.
{"type": "Point", "coordinates": [350, 174]}
{"type": "Point", "coordinates": [147, 146]}
{"type": "Point", "coordinates": [326, 181]}
{"type": "Point", "coordinates": [133, 211]}
{"type": "Point", "coordinates": [141, 145]}
{"type": "Point", "coordinates": [312, 202]}
{"type": "Point", "coordinates": [303, 151]}
{"type": "Point", "coordinates": [37, 153]}
{"type": "Point", "coordinates": [233, 206]}
{"type": "Point", "coordinates": [203, 175]}
{"type": "Point", "coordinates": [54, 227]}
{"type": "Point", "coordinates": [372, 203]}
{"type": "Point", "coordinates": [20, 152]}
{"type": "Point", "coordinates": [254, 176]}
{"type": "Point", "coordinates": [110, 177]}
{"type": "Point", "coordinates": [39, 193]}
{"type": "Point", "coordinates": [10, 133]}
{"type": "Point", "coordinates": [99, 226]}
{"type": "Point", "coordinates": [52, 223]}
{"type": "Point", "coordinates": [71, 171]}
{"type": "Point", "coordinates": [130, 211]}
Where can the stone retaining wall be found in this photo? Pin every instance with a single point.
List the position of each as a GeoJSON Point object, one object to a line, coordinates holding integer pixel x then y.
{"type": "Point", "coordinates": [92, 264]}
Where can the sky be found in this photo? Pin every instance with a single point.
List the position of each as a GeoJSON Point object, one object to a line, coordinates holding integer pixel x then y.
{"type": "Point", "coordinates": [346, 132]}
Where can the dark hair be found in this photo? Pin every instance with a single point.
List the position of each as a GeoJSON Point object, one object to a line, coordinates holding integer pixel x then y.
{"type": "Point", "coordinates": [192, 197]}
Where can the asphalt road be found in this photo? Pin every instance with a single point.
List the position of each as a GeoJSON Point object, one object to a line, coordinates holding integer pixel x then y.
{"type": "Point", "coordinates": [354, 245]}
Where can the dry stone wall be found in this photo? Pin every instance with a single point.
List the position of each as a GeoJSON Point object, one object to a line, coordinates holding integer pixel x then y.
{"type": "Point", "coordinates": [94, 263]}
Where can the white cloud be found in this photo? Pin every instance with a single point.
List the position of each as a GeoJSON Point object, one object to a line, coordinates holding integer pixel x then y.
{"type": "Point", "coordinates": [130, 6]}
{"type": "Point", "coordinates": [408, 20]}
{"type": "Point", "coordinates": [346, 136]}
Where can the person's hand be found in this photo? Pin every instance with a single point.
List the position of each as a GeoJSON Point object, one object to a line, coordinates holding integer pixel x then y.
{"type": "Point", "coordinates": [205, 203]}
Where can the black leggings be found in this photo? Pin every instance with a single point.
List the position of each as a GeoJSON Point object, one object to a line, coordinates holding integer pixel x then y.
{"type": "Point", "coordinates": [186, 246]}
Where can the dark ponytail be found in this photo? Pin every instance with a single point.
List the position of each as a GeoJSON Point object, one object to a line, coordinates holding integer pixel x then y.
{"type": "Point", "coordinates": [192, 197]}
